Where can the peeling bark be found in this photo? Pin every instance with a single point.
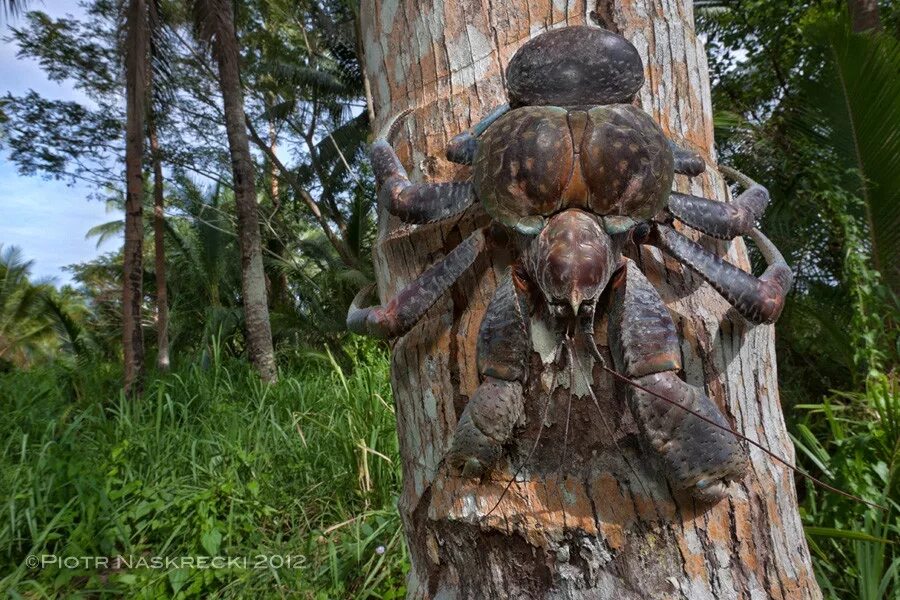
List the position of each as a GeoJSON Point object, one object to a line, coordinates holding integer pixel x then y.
{"type": "Point", "coordinates": [590, 515]}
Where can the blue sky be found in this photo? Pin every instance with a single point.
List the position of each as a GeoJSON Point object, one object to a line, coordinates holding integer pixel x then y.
{"type": "Point", "coordinates": [47, 219]}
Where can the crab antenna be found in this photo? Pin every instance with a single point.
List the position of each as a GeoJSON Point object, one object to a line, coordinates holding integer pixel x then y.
{"type": "Point", "coordinates": [797, 470]}
{"type": "Point", "coordinates": [537, 440]}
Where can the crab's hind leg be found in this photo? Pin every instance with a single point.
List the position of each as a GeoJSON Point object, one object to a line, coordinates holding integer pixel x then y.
{"type": "Point", "coordinates": [400, 314]}
{"type": "Point", "coordinates": [415, 202]}
{"type": "Point", "coordinates": [495, 408]}
{"type": "Point", "coordinates": [759, 300]}
{"type": "Point", "coordinates": [698, 456]}
{"type": "Point", "coordinates": [461, 148]}
{"type": "Point", "coordinates": [723, 220]}
{"type": "Point", "coordinates": [687, 162]}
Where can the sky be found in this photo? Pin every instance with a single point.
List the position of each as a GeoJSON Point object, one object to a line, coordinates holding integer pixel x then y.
{"type": "Point", "coordinates": [47, 219]}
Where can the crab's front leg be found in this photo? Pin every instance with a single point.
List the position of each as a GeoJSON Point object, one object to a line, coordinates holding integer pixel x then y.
{"type": "Point", "coordinates": [400, 314]}
{"type": "Point", "coordinates": [758, 299]}
{"type": "Point", "coordinates": [415, 202]}
{"type": "Point", "coordinates": [461, 148]}
{"type": "Point", "coordinates": [496, 407]}
{"type": "Point", "coordinates": [698, 456]}
{"type": "Point", "coordinates": [723, 220]}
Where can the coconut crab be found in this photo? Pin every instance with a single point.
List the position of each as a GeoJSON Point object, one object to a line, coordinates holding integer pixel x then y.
{"type": "Point", "coordinates": [575, 173]}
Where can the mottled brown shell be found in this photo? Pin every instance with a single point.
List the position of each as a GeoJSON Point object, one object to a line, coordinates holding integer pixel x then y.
{"type": "Point", "coordinates": [627, 162]}
{"type": "Point", "coordinates": [523, 165]}
{"type": "Point", "coordinates": [538, 160]}
{"type": "Point", "coordinates": [574, 66]}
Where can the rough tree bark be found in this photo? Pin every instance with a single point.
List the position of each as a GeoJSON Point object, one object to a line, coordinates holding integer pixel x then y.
{"type": "Point", "coordinates": [258, 330]}
{"type": "Point", "coordinates": [864, 15]}
{"type": "Point", "coordinates": [597, 520]}
{"type": "Point", "coordinates": [132, 265]}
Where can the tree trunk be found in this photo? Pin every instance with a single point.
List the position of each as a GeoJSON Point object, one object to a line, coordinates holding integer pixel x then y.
{"type": "Point", "coordinates": [132, 267]}
{"type": "Point", "coordinates": [864, 15]}
{"type": "Point", "coordinates": [159, 248]}
{"type": "Point", "coordinates": [253, 277]}
{"type": "Point", "coordinates": [596, 519]}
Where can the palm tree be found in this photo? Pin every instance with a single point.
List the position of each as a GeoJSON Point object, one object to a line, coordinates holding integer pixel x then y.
{"type": "Point", "coordinates": [22, 327]}
{"type": "Point", "coordinates": [159, 247]}
{"type": "Point", "coordinates": [215, 19]}
{"type": "Point", "coordinates": [848, 106]}
{"type": "Point", "coordinates": [12, 8]}
{"type": "Point", "coordinates": [864, 15]}
{"type": "Point", "coordinates": [136, 34]}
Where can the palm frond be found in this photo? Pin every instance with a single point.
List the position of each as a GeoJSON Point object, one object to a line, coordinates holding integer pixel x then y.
{"type": "Point", "coordinates": [105, 231]}
{"type": "Point", "coordinates": [853, 106]}
{"type": "Point", "coordinates": [13, 8]}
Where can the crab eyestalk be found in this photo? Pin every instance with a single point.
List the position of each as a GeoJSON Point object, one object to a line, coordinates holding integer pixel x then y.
{"type": "Point", "coordinates": [572, 260]}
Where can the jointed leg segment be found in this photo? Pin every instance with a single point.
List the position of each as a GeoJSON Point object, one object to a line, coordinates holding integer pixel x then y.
{"type": "Point", "coordinates": [496, 407]}
{"type": "Point", "coordinates": [697, 455]}
{"type": "Point", "coordinates": [723, 220]}
{"type": "Point", "coordinates": [400, 314]}
{"type": "Point", "coordinates": [461, 148]}
{"type": "Point", "coordinates": [416, 202]}
{"type": "Point", "coordinates": [759, 300]}
{"type": "Point", "coordinates": [686, 162]}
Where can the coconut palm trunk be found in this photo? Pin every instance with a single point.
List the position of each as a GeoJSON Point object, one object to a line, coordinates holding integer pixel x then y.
{"type": "Point", "coordinates": [132, 277]}
{"type": "Point", "coordinates": [589, 516]}
{"type": "Point", "coordinates": [864, 15]}
{"type": "Point", "coordinates": [219, 24]}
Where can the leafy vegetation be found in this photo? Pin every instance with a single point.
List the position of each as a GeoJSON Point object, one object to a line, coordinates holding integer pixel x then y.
{"type": "Point", "coordinates": [811, 109]}
{"type": "Point", "coordinates": [208, 461]}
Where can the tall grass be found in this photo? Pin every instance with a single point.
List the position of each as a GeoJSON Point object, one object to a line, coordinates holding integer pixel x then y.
{"type": "Point", "coordinates": [209, 462]}
{"type": "Point", "coordinates": [854, 439]}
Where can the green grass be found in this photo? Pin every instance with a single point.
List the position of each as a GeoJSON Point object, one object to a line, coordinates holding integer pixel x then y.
{"type": "Point", "coordinates": [853, 440]}
{"type": "Point", "coordinates": [209, 462]}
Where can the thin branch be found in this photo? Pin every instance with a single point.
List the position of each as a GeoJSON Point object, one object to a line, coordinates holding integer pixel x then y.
{"type": "Point", "coordinates": [338, 244]}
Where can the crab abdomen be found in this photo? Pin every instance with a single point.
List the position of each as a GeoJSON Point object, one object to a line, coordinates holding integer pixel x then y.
{"type": "Point", "coordinates": [538, 160]}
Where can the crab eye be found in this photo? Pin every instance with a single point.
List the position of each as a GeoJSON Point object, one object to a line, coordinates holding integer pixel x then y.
{"type": "Point", "coordinates": [641, 232]}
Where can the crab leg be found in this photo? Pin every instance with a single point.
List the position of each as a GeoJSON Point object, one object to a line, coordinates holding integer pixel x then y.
{"type": "Point", "coordinates": [759, 300]}
{"type": "Point", "coordinates": [415, 202]}
{"type": "Point", "coordinates": [697, 455]}
{"type": "Point", "coordinates": [461, 148]}
{"type": "Point", "coordinates": [723, 220]}
{"type": "Point", "coordinates": [400, 314]}
{"type": "Point", "coordinates": [686, 162]}
{"type": "Point", "coordinates": [497, 405]}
